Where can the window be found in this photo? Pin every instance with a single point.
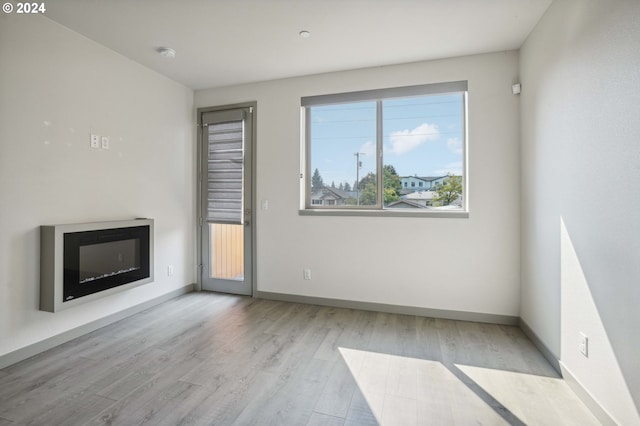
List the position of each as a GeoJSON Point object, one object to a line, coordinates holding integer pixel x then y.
{"type": "Point", "coordinates": [372, 147]}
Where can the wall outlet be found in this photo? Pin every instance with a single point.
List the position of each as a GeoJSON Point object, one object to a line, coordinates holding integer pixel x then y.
{"type": "Point", "coordinates": [307, 274]}
{"type": "Point", "coordinates": [583, 345]}
{"type": "Point", "coordinates": [95, 141]}
{"type": "Point", "coordinates": [170, 270]}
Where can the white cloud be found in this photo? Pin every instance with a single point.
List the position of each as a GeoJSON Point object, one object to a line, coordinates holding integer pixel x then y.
{"type": "Point", "coordinates": [455, 145]}
{"type": "Point", "coordinates": [403, 141]}
{"type": "Point", "coordinates": [368, 148]}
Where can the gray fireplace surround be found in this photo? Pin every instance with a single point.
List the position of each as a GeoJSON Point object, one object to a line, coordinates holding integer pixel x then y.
{"type": "Point", "coordinates": [82, 262]}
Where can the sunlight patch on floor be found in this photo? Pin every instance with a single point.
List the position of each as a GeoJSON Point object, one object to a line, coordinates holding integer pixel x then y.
{"type": "Point", "coordinates": [533, 399]}
{"type": "Point", "coordinates": [410, 391]}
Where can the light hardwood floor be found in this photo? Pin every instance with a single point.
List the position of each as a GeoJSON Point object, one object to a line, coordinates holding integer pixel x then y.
{"type": "Point", "coordinates": [210, 359]}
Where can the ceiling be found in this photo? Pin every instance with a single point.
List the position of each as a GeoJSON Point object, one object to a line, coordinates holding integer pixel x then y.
{"type": "Point", "coordinates": [227, 42]}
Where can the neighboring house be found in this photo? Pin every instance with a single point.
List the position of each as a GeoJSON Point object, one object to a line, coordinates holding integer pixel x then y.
{"type": "Point", "coordinates": [420, 197]}
{"type": "Point", "coordinates": [328, 196]}
{"type": "Point", "coordinates": [423, 199]}
{"type": "Point", "coordinates": [420, 183]}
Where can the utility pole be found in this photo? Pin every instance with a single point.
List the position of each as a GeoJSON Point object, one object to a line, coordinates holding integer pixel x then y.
{"type": "Point", "coordinates": [358, 165]}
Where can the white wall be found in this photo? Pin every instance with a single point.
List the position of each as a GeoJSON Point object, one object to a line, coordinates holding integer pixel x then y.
{"type": "Point", "coordinates": [456, 264]}
{"type": "Point", "coordinates": [580, 72]}
{"type": "Point", "coordinates": [55, 88]}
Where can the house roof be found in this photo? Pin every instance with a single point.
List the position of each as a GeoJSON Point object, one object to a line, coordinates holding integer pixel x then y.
{"type": "Point", "coordinates": [405, 203]}
{"type": "Point", "coordinates": [424, 178]}
{"type": "Point", "coordinates": [338, 193]}
{"type": "Point", "coordinates": [420, 195]}
{"type": "Point", "coordinates": [455, 205]}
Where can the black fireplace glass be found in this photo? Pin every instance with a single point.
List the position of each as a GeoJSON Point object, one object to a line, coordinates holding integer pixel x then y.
{"type": "Point", "coordinates": [98, 260]}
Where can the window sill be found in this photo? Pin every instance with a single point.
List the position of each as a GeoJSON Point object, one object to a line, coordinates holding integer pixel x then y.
{"type": "Point", "coordinates": [449, 214]}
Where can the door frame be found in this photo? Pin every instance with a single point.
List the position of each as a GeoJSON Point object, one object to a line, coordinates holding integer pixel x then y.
{"type": "Point", "coordinates": [200, 222]}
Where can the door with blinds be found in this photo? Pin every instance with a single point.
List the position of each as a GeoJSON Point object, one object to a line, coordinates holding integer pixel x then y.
{"type": "Point", "coordinates": [226, 210]}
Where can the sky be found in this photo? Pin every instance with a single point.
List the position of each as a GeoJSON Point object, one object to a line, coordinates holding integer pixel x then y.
{"type": "Point", "coordinates": [421, 136]}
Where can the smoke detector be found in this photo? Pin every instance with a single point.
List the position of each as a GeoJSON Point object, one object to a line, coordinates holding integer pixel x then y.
{"type": "Point", "coordinates": [167, 52]}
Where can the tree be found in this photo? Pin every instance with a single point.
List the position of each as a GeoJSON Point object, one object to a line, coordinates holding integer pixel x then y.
{"type": "Point", "coordinates": [333, 184]}
{"type": "Point", "coordinates": [347, 187]}
{"type": "Point", "coordinates": [450, 191]}
{"type": "Point", "coordinates": [368, 187]}
{"type": "Point", "coordinates": [392, 184]}
{"type": "Point", "coordinates": [390, 196]}
{"type": "Point", "coordinates": [316, 181]}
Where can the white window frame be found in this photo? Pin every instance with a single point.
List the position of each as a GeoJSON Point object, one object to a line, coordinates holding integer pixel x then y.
{"type": "Point", "coordinates": [379, 95]}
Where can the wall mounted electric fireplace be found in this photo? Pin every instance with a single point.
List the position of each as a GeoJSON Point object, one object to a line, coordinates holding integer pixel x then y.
{"type": "Point", "coordinates": [82, 262]}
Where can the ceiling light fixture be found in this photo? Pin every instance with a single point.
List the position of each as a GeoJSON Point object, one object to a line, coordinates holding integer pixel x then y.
{"type": "Point", "coordinates": [167, 52]}
{"type": "Point", "coordinates": [304, 34]}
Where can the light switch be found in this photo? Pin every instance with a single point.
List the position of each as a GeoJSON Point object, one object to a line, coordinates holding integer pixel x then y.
{"type": "Point", "coordinates": [105, 142]}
